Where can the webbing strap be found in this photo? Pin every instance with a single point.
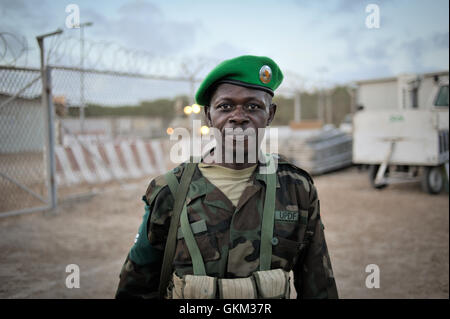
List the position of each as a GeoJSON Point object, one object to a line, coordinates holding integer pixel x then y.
{"type": "Point", "coordinates": [265, 254]}
{"type": "Point", "coordinates": [194, 251]}
{"type": "Point", "coordinates": [169, 251]}
{"type": "Point", "coordinates": [196, 256]}
{"type": "Point", "coordinates": [172, 182]}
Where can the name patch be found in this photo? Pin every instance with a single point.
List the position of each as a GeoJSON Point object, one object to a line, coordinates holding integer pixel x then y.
{"type": "Point", "coordinates": [286, 216]}
{"type": "Point", "coordinates": [197, 227]}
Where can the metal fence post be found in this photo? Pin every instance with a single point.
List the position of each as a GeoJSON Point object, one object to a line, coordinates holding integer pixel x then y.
{"type": "Point", "coordinates": [50, 111]}
{"type": "Point", "coordinates": [47, 103]}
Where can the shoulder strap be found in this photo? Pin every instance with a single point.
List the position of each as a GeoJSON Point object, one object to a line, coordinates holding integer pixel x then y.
{"type": "Point", "coordinates": [197, 260]}
{"type": "Point", "coordinates": [169, 251]}
{"type": "Point", "coordinates": [194, 251]}
{"type": "Point", "coordinates": [265, 256]}
{"type": "Point", "coordinates": [172, 182]}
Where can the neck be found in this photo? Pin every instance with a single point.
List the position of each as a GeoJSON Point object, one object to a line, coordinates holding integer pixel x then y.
{"type": "Point", "coordinates": [211, 159]}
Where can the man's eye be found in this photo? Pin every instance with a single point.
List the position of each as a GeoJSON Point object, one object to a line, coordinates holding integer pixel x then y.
{"type": "Point", "coordinates": [224, 106]}
{"type": "Point", "coordinates": [253, 107]}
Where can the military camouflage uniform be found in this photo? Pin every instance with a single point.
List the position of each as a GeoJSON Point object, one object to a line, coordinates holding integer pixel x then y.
{"type": "Point", "coordinates": [229, 237]}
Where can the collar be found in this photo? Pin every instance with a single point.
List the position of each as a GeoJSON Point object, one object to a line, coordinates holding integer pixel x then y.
{"type": "Point", "coordinates": [201, 186]}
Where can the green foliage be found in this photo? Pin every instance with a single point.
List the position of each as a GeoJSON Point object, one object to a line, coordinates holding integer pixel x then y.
{"type": "Point", "coordinates": [340, 106]}
{"type": "Point", "coordinates": [285, 110]}
{"type": "Point", "coordinates": [164, 108]}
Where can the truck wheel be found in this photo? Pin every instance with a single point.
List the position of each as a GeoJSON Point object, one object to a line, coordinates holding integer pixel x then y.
{"type": "Point", "coordinates": [432, 180]}
{"type": "Point", "coordinates": [373, 169]}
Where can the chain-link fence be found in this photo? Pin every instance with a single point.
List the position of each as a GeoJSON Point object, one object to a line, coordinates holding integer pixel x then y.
{"type": "Point", "coordinates": [23, 128]}
{"type": "Point", "coordinates": [121, 136]}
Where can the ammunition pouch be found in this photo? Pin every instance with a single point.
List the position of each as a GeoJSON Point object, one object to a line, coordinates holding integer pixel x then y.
{"type": "Point", "coordinates": [273, 284]}
{"type": "Point", "coordinates": [266, 284]}
{"type": "Point", "coordinates": [192, 287]}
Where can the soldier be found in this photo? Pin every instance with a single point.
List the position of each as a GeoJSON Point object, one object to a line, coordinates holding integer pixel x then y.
{"type": "Point", "coordinates": [219, 229]}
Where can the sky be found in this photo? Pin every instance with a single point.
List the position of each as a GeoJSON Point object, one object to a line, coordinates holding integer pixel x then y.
{"type": "Point", "coordinates": [314, 42]}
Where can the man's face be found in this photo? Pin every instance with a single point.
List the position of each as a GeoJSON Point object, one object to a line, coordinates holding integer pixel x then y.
{"type": "Point", "coordinates": [236, 107]}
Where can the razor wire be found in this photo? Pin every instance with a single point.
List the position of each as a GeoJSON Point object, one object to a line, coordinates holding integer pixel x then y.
{"type": "Point", "coordinates": [114, 57]}
{"type": "Point", "coordinates": [13, 49]}
{"type": "Point", "coordinates": [110, 56]}
{"type": "Point", "coordinates": [103, 56]}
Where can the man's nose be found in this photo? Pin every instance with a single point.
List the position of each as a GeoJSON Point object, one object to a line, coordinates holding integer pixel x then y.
{"type": "Point", "coordinates": [239, 116]}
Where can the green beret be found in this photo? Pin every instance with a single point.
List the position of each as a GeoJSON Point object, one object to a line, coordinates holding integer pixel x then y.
{"type": "Point", "coordinates": [255, 72]}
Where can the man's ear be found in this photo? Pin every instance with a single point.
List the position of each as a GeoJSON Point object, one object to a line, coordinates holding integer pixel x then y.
{"type": "Point", "coordinates": [272, 111]}
{"type": "Point", "coordinates": [207, 115]}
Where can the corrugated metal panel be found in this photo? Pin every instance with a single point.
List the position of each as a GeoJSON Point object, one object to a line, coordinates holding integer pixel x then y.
{"type": "Point", "coordinates": [317, 151]}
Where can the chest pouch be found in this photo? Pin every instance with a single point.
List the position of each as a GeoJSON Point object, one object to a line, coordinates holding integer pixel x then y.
{"type": "Point", "coordinates": [272, 284]}
{"type": "Point", "coordinates": [266, 284]}
{"type": "Point", "coordinates": [238, 288]}
{"type": "Point", "coordinates": [193, 287]}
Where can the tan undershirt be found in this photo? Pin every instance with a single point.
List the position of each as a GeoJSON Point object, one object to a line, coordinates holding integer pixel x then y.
{"type": "Point", "coordinates": [231, 182]}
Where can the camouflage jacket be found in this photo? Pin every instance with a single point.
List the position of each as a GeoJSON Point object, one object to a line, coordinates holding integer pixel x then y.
{"type": "Point", "coordinates": [229, 237]}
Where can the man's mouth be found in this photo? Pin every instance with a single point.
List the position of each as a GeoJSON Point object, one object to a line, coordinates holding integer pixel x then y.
{"type": "Point", "coordinates": [237, 135]}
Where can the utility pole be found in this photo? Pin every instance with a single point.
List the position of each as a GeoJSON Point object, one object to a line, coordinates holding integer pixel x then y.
{"type": "Point", "coordinates": [329, 106]}
{"type": "Point", "coordinates": [321, 108]}
{"type": "Point", "coordinates": [322, 97]}
{"type": "Point", "coordinates": [297, 107]}
{"type": "Point", "coordinates": [351, 91]}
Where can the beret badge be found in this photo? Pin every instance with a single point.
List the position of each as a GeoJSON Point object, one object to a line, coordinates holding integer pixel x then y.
{"type": "Point", "coordinates": [265, 74]}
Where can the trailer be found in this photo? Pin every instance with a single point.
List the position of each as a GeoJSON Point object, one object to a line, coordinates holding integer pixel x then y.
{"type": "Point", "coordinates": [405, 145]}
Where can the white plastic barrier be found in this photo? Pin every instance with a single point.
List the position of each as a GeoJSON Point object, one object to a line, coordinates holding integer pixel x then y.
{"type": "Point", "coordinates": [128, 155]}
{"type": "Point", "coordinates": [99, 163]}
{"type": "Point", "coordinates": [148, 167]}
{"type": "Point", "coordinates": [103, 172]}
{"type": "Point", "coordinates": [64, 172]}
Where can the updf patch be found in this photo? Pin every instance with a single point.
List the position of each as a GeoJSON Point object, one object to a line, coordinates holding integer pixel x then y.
{"type": "Point", "coordinates": [286, 216]}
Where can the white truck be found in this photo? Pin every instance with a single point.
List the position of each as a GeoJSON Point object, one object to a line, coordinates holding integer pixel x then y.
{"type": "Point", "coordinates": [405, 145]}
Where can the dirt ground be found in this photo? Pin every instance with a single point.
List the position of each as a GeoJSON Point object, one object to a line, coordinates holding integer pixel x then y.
{"type": "Point", "coordinates": [401, 229]}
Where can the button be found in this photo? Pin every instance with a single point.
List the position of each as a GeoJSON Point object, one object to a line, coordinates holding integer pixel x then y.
{"type": "Point", "coordinates": [274, 241]}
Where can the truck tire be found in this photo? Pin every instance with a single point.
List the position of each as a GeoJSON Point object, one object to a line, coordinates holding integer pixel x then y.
{"type": "Point", "coordinates": [432, 180]}
{"type": "Point", "coordinates": [373, 169]}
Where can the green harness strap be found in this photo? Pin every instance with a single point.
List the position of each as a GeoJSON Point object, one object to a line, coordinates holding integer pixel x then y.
{"type": "Point", "coordinates": [169, 251]}
{"type": "Point", "coordinates": [265, 253]}
{"type": "Point", "coordinates": [172, 182]}
{"type": "Point", "coordinates": [194, 251]}
{"type": "Point", "coordinates": [196, 256]}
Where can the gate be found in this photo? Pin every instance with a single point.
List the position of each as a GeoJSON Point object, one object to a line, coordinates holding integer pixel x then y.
{"type": "Point", "coordinates": [24, 148]}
